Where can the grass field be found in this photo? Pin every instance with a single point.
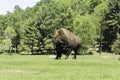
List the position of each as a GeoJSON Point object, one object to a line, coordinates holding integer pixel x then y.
{"type": "Point", "coordinates": [44, 67]}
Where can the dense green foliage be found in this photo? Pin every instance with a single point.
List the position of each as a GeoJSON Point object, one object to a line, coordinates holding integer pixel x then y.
{"type": "Point", "coordinates": [116, 45]}
{"type": "Point", "coordinates": [96, 67]}
{"type": "Point", "coordinates": [33, 29]}
{"type": "Point", "coordinates": [112, 24]}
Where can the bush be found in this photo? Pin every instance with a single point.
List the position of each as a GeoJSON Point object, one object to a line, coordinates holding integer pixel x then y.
{"type": "Point", "coordinates": [116, 45]}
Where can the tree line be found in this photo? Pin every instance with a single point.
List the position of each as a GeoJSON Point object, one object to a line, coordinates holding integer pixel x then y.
{"type": "Point", "coordinates": [96, 22]}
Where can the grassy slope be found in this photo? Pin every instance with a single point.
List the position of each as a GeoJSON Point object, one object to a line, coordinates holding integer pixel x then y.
{"type": "Point", "coordinates": [96, 67]}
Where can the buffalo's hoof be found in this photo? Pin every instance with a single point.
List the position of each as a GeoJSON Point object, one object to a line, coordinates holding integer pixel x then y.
{"type": "Point", "coordinates": [58, 58]}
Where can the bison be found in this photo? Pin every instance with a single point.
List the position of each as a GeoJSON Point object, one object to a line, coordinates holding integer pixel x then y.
{"type": "Point", "coordinates": [65, 42]}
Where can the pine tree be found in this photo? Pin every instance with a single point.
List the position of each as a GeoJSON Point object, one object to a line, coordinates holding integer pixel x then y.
{"type": "Point", "coordinates": [112, 23]}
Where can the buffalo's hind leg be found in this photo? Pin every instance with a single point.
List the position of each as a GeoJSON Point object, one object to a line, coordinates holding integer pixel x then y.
{"type": "Point", "coordinates": [57, 57]}
{"type": "Point", "coordinates": [68, 53]}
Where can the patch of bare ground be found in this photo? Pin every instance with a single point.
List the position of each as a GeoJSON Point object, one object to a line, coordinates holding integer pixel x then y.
{"type": "Point", "coordinates": [105, 55]}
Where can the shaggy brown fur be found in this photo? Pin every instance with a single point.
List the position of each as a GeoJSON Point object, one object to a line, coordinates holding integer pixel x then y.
{"type": "Point", "coordinates": [65, 42]}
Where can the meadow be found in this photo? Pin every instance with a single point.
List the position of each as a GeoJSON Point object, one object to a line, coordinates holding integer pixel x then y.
{"type": "Point", "coordinates": [45, 67]}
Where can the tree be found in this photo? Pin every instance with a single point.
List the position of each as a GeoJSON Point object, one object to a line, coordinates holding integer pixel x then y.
{"type": "Point", "coordinates": [100, 11]}
{"type": "Point", "coordinates": [9, 34]}
{"type": "Point", "coordinates": [18, 19]}
{"type": "Point", "coordinates": [85, 27]}
{"type": "Point", "coordinates": [2, 27]}
{"type": "Point", "coordinates": [112, 23]}
{"type": "Point", "coordinates": [14, 20]}
{"type": "Point", "coordinates": [39, 27]}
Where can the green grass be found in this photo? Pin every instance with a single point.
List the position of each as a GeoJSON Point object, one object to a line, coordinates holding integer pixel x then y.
{"type": "Point", "coordinates": [44, 67]}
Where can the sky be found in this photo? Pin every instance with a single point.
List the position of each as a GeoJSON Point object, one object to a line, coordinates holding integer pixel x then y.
{"type": "Point", "coordinates": [8, 5]}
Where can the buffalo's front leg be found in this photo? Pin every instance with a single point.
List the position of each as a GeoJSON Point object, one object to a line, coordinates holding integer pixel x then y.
{"type": "Point", "coordinates": [58, 50]}
{"type": "Point", "coordinates": [59, 54]}
{"type": "Point", "coordinates": [76, 52]}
